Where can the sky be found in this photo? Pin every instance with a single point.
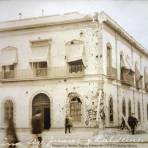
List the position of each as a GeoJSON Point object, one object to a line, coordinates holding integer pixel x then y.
{"type": "Point", "coordinates": [132, 15]}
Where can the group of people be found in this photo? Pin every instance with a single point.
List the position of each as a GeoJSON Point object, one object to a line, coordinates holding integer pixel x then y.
{"type": "Point", "coordinates": [130, 124]}
{"type": "Point", "coordinates": [37, 129]}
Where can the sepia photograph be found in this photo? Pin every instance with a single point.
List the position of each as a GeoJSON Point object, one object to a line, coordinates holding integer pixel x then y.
{"type": "Point", "coordinates": [73, 73]}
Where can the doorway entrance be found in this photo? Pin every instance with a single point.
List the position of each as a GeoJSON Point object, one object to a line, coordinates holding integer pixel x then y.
{"type": "Point", "coordinates": [41, 103]}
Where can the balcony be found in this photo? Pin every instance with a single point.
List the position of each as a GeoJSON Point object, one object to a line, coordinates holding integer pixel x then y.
{"type": "Point", "coordinates": [40, 73]}
{"type": "Point", "coordinates": [127, 77]}
{"type": "Point", "coordinates": [139, 84]}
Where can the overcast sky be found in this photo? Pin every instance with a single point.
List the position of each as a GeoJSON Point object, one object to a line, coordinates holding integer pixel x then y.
{"type": "Point", "coordinates": [132, 15]}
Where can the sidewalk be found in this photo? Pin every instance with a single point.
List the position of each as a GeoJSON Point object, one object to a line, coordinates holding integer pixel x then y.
{"type": "Point", "coordinates": [85, 135]}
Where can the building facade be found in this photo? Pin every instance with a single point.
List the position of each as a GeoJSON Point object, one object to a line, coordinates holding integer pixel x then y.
{"type": "Point", "coordinates": [82, 65]}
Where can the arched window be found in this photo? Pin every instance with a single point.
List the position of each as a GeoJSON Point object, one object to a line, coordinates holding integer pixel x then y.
{"type": "Point", "coordinates": [147, 111]}
{"type": "Point", "coordinates": [75, 108]}
{"type": "Point", "coordinates": [139, 112]}
{"type": "Point", "coordinates": [129, 108]}
{"type": "Point", "coordinates": [111, 115]}
{"type": "Point", "coordinates": [109, 58]}
{"type": "Point", "coordinates": [124, 107]}
{"type": "Point", "coordinates": [8, 110]}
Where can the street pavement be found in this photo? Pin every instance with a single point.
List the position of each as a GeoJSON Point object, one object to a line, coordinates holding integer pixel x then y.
{"type": "Point", "coordinates": [81, 137]}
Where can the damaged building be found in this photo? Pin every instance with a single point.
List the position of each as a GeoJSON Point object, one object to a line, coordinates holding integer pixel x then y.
{"type": "Point", "coordinates": [85, 66]}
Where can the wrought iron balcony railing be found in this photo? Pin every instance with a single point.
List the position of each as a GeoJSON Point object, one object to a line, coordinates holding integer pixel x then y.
{"type": "Point", "coordinates": [42, 73]}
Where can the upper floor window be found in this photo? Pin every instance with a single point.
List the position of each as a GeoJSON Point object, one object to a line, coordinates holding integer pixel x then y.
{"type": "Point", "coordinates": [8, 71]}
{"type": "Point", "coordinates": [76, 66]}
{"type": "Point", "coordinates": [75, 55]}
{"type": "Point", "coordinates": [39, 68]}
{"type": "Point", "coordinates": [109, 59]}
{"type": "Point", "coordinates": [8, 60]}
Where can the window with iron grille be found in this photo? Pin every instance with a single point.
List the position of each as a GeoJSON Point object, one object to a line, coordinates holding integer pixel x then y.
{"type": "Point", "coordinates": [8, 71]}
{"type": "Point", "coordinates": [76, 66]}
{"type": "Point", "coordinates": [75, 109]}
{"type": "Point", "coordinates": [40, 68]}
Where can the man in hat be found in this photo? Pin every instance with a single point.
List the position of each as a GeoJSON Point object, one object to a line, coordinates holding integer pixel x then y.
{"type": "Point", "coordinates": [132, 121]}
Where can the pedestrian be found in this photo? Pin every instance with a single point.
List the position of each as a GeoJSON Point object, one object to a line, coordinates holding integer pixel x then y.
{"type": "Point", "coordinates": [37, 126]}
{"type": "Point", "coordinates": [11, 133]}
{"type": "Point", "coordinates": [68, 124]}
{"type": "Point", "coordinates": [132, 121]}
{"type": "Point", "coordinates": [122, 126]}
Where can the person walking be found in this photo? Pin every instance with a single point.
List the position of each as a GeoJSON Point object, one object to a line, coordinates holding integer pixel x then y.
{"type": "Point", "coordinates": [11, 134]}
{"type": "Point", "coordinates": [37, 126]}
{"type": "Point", "coordinates": [132, 121]}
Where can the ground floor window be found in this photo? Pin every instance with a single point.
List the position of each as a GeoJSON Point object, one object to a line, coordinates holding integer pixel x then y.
{"type": "Point", "coordinates": [8, 109]}
{"type": "Point", "coordinates": [111, 116]}
{"type": "Point", "coordinates": [129, 108]}
{"type": "Point", "coordinates": [124, 107]}
{"type": "Point", "coordinates": [139, 112]}
{"type": "Point", "coordinates": [75, 109]}
{"type": "Point", "coordinates": [147, 111]}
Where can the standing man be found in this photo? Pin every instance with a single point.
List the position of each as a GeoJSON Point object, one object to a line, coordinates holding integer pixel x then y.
{"type": "Point", "coordinates": [37, 126]}
{"type": "Point", "coordinates": [132, 121]}
{"type": "Point", "coordinates": [68, 124]}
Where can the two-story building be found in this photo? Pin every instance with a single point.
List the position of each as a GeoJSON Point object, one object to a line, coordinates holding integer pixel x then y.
{"type": "Point", "coordinates": [75, 64]}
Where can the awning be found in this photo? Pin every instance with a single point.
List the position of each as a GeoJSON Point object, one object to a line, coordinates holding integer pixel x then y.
{"type": "Point", "coordinates": [74, 51]}
{"type": "Point", "coordinates": [39, 54]}
{"type": "Point", "coordinates": [125, 63]}
{"type": "Point", "coordinates": [8, 56]}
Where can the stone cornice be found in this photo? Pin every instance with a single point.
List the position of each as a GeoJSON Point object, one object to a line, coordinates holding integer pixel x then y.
{"type": "Point", "coordinates": [104, 18]}
{"type": "Point", "coordinates": [43, 21]}
{"type": "Point", "coordinates": [70, 18]}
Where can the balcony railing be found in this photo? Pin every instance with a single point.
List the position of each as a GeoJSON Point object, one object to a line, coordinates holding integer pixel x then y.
{"type": "Point", "coordinates": [8, 74]}
{"type": "Point", "coordinates": [43, 73]}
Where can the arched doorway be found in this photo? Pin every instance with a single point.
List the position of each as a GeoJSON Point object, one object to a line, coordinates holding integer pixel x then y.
{"type": "Point", "coordinates": [41, 103]}
{"type": "Point", "coordinates": [75, 105]}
